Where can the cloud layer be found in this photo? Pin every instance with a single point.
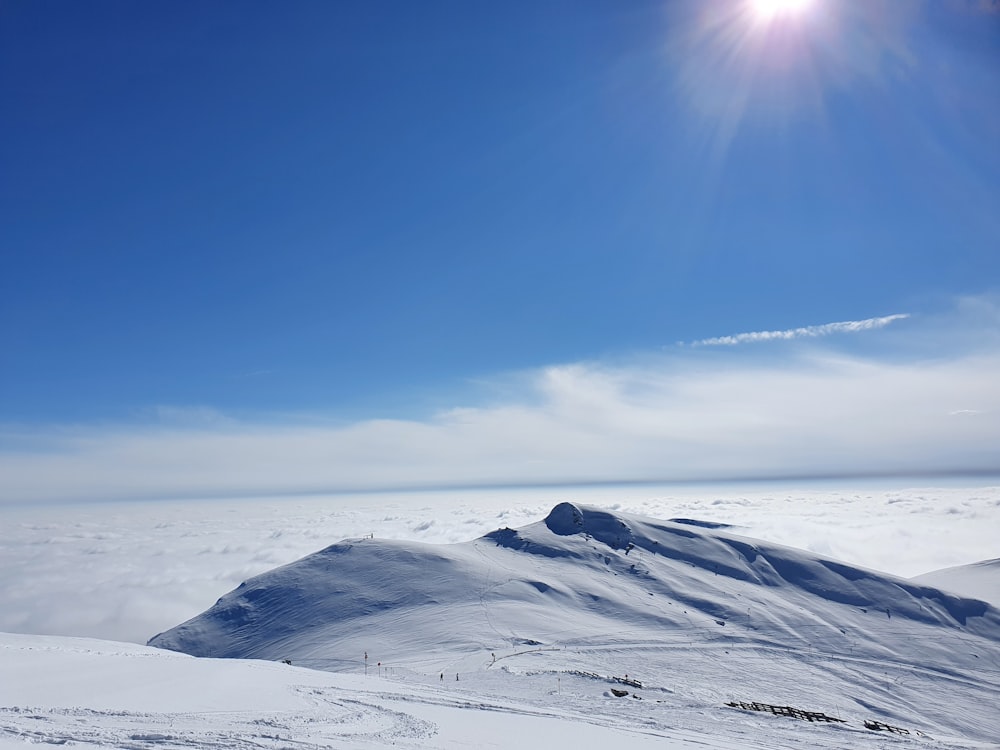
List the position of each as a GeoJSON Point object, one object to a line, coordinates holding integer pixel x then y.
{"type": "Point", "coordinates": [680, 415]}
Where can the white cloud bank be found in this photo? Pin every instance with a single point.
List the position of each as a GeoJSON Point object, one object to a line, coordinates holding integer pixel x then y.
{"type": "Point", "coordinates": [678, 416]}
{"type": "Point", "coordinates": [847, 326]}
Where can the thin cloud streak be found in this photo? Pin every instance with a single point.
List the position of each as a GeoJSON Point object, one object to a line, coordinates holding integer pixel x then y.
{"type": "Point", "coordinates": [847, 326]}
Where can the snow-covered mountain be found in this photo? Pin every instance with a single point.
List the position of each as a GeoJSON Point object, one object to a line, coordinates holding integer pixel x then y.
{"type": "Point", "coordinates": [692, 612]}
{"type": "Point", "coordinates": [980, 580]}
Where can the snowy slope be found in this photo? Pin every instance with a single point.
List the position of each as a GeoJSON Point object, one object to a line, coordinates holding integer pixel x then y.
{"type": "Point", "coordinates": [57, 690]}
{"type": "Point", "coordinates": [100, 694]}
{"type": "Point", "coordinates": [699, 615]}
{"type": "Point", "coordinates": [979, 580]}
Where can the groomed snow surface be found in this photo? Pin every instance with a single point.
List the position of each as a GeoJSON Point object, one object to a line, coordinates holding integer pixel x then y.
{"type": "Point", "coordinates": [520, 639]}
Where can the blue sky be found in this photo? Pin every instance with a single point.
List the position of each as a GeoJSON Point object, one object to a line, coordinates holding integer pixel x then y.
{"type": "Point", "coordinates": [263, 219]}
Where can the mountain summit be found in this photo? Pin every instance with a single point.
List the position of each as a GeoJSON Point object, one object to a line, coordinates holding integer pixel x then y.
{"type": "Point", "coordinates": [582, 573]}
{"type": "Point", "coordinates": [684, 607]}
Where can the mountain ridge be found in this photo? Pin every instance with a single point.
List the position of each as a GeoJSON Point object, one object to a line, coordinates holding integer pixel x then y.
{"type": "Point", "coordinates": [580, 563]}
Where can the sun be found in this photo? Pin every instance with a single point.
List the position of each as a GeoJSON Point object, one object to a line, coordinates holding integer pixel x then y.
{"type": "Point", "coordinates": [767, 10]}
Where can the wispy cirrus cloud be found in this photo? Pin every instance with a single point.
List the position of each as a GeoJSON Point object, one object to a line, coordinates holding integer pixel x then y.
{"type": "Point", "coordinates": [826, 329]}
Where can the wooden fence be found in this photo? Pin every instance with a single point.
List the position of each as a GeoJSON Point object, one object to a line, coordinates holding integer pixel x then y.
{"type": "Point", "coordinates": [878, 726]}
{"type": "Point", "coordinates": [795, 713]}
{"type": "Point", "coordinates": [798, 713]}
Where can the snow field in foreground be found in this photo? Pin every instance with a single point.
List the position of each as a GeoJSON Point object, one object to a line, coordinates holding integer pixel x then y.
{"type": "Point", "coordinates": [112, 695]}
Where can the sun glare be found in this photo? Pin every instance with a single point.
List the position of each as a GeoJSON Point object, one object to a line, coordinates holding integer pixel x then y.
{"type": "Point", "coordinates": [766, 10]}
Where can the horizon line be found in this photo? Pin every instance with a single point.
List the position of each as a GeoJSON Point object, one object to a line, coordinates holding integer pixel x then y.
{"type": "Point", "coordinates": [953, 474]}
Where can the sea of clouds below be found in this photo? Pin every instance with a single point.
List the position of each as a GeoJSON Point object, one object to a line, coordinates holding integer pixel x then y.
{"type": "Point", "coordinates": [126, 571]}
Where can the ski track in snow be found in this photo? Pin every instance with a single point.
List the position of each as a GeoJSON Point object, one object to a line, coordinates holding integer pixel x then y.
{"type": "Point", "coordinates": [333, 722]}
